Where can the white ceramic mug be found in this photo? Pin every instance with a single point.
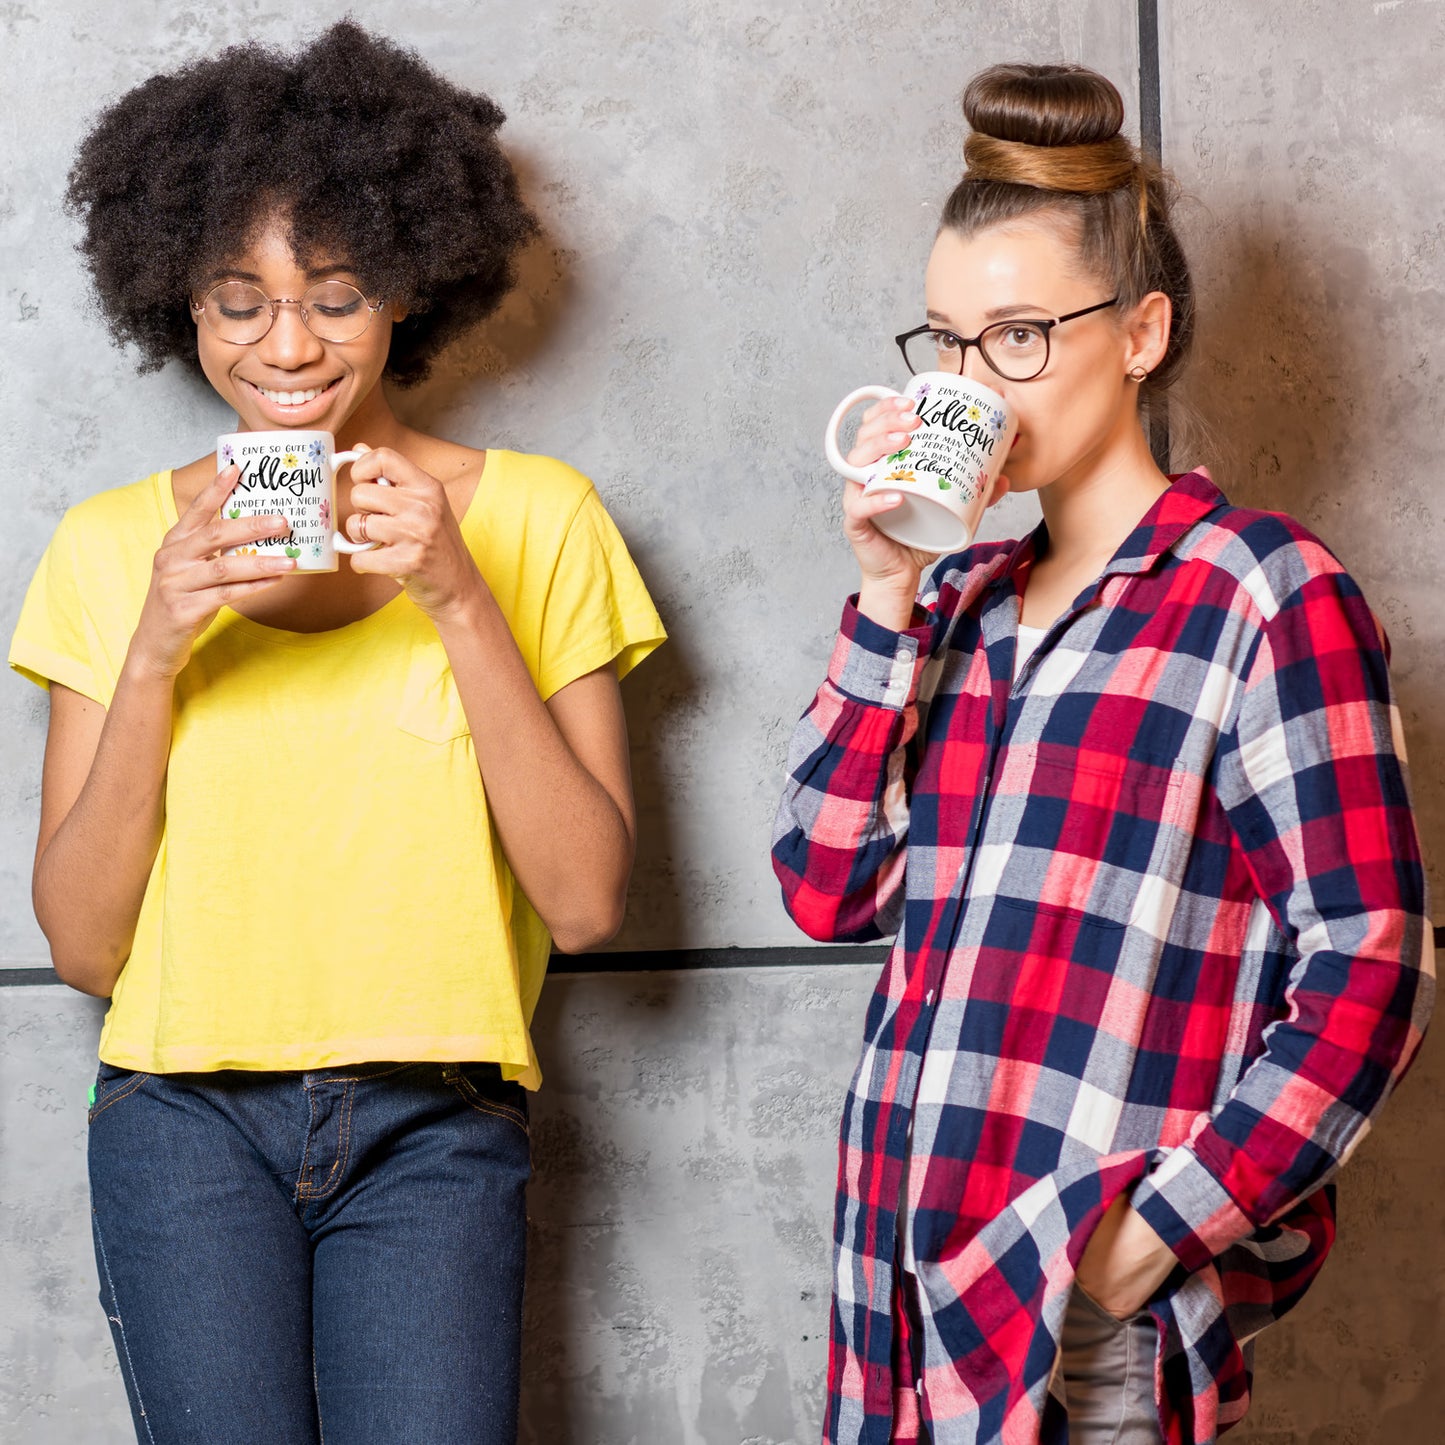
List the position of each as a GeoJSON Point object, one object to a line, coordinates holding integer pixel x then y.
{"type": "Point", "coordinates": [293, 473]}
{"type": "Point", "coordinates": [947, 467]}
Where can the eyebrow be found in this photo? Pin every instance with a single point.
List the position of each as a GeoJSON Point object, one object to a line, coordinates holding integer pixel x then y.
{"type": "Point", "coordinates": [230, 273]}
{"type": "Point", "coordinates": [998, 313]}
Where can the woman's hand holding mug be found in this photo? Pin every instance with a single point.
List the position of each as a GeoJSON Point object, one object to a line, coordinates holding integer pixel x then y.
{"type": "Point", "coordinates": [406, 514]}
{"type": "Point", "coordinates": [890, 568]}
{"type": "Point", "coordinates": [204, 562]}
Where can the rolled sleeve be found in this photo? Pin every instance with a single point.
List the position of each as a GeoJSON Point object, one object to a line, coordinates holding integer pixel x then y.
{"type": "Point", "coordinates": [875, 665]}
{"type": "Point", "coordinates": [1190, 1210]}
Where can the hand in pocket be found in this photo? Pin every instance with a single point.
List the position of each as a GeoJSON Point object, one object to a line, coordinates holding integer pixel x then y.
{"type": "Point", "coordinates": [1124, 1262]}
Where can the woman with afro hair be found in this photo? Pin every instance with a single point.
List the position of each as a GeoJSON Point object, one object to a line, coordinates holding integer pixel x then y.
{"type": "Point", "coordinates": [313, 834]}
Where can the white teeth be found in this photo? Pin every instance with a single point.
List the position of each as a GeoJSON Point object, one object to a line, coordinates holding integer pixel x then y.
{"type": "Point", "coordinates": [290, 398]}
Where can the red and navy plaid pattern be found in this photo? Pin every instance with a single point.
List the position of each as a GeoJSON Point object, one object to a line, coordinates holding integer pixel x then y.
{"type": "Point", "coordinates": [1160, 920]}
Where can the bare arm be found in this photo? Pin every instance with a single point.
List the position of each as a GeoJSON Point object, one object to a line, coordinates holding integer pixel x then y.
{"type": "Point", "coordinates": [102, 803]}
{"type": "Point", "coordinates": [556, 775]}
{"type": "Point", "coordinates": [101, 814]}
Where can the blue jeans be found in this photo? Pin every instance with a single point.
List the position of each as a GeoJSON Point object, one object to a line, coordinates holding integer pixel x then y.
{"type": "Point", "coordinates": [328, 1258]}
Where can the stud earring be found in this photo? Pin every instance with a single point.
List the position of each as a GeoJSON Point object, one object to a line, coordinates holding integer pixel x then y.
{"type": "Point", "coordinates": [1138, 373]}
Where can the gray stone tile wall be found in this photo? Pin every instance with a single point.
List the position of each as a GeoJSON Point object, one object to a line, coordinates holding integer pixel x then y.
{"type": "Point", "coordinates": [1310, 141]}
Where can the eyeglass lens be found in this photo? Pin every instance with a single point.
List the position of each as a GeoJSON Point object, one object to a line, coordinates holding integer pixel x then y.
{"type": "Point", "coordinates": [240, 312]}
{"type": "Point", "coordinates": [1017, 350]}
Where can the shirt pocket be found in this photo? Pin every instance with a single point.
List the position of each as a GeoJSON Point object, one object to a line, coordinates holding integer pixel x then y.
{"type": "Point", "coordinates": [1097, 838]}
{"type": "Point", "coordinates": [431, 707]}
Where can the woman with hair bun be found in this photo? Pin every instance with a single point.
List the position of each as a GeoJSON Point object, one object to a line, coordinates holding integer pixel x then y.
{"type": "Point", "coordinates": [1131, 793]}
{"type": "Point", "coordinates": [313, 834]}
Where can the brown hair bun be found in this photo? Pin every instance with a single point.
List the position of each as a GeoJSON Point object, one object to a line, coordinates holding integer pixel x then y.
{"type": "Point", "coordinates": [1055, 127]}
{"type": "Point", "coordinates": [1047, 141]}
{"type": "Point", "coordinates": [1044, 105]}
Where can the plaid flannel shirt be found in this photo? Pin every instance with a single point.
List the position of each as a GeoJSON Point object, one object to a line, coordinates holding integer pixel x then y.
{"type": "Point", "coordinates": [1160, 920]}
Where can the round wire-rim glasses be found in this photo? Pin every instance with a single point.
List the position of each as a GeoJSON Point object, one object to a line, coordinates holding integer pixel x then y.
{"type": "Point", "coordinates": [242, 314]}
{"type": "Point", "coordinates": [1017, 350]}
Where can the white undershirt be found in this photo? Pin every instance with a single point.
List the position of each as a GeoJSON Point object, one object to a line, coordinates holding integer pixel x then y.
{"type": "Point", "coordinates": [1029, 639]}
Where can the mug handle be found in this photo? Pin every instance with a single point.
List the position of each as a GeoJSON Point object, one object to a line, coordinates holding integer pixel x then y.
{"type": "Point", "coordinates": [830, 437]}
{"type": "Point", "coordinates": [339, 540]}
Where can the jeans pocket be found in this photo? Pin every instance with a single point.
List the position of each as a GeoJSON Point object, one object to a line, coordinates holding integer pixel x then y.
{"type": "Point", "coordinates": [482, 1088]}
{"type": "Point", "coordinates": [1105, 1316]}
{"type": "Point", "coordinates": [112, 1084]}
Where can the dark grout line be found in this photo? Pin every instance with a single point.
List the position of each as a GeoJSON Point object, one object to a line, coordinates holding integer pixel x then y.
{"type": "Point", "coordinates": [678, 960]}
{"type": "Point", "coordinates": [1151, 126]}
{"type": "Point", "coordinates": [657, 960]}
{"type": "Point", "coordinates": [1151, 142]}
{"type": "Point", "coordinates": [682, 959]}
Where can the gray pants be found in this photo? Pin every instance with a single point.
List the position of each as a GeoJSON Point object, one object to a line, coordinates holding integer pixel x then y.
{"type": "Point", "coordinates": [1106, 1370]}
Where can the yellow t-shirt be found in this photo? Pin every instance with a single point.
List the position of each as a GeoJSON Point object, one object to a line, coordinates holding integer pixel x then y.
{"type": "Point", "coordinates": [329, 888]}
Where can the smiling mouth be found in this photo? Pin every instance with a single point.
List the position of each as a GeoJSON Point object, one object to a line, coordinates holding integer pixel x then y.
{"type": "Point", "coordinates": [292, 398]}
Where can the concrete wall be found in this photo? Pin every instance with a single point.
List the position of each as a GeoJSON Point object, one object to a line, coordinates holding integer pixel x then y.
{"type": "Point", "coordinates": [1309, 138]}
{"type": "Point", "coordinates": [738, 200]}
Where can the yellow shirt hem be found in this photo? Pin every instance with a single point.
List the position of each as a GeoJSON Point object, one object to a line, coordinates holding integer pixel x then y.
{"type": "Point", "coordinates": [514, 1059]}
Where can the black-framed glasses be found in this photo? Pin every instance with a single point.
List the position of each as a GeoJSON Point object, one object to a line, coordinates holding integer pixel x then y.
{"type": "Point", "coordinates": [1016, 350]}
{"type": "Point", "coordinates": [241, 313]}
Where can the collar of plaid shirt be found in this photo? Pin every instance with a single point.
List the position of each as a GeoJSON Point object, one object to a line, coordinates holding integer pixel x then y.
{"type": "Point", "coordinates": [1160, 920]}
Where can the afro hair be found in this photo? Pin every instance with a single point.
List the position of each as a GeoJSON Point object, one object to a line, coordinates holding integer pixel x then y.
{"type": "Point", "coordinates": [357, 144]}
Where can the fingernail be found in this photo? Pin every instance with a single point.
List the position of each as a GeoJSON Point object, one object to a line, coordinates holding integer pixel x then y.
{"type": "Point", "coordinates": [903, 403]}
{"type": "Point", "coordinates": [280, 564]}
{"type": "Point", "coordinates": [897, 436]}
{"type": "Point", "coordinates": [890, 499]}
